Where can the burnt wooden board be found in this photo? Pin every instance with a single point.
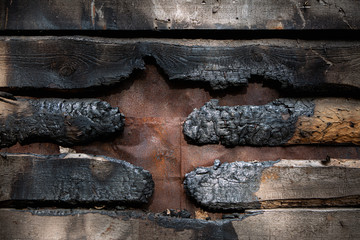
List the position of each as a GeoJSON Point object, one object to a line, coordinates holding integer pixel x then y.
{"type": "Point", "coordinates": [284, 121]}
{"type": "Point", "coordinates": [63, 121]}
{"type": "Point", "coordinates": [282, 183]}
{"type": "Point", "coordinates": [84, 62]}
{"type": "Point", "coordinates": [72, 179]}
{"type": "Point", "coordinates": [92, 224]}
{"type": "Point", "coordinates": [178, 14]}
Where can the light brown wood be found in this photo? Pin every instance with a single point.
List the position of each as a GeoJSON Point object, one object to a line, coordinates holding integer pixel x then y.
{"type": "Point", "coordinates": [92, 224]}
{"type": "Point", "coordinates": [300, 224]}
{"type": "Point", "coordinates": [310, 183]}
{"type": "Point", "coordinates": [334, 121]}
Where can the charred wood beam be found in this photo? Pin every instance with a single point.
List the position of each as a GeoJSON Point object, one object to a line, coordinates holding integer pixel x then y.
{"type": "Point", "coordinates": [263, 224]}
{"type": "Point", "coordinates": [84, 62]}
{"type": "Point", "coordinates": [283, 121]}
{"type": "Point", "coordinates": [178, 15]}
{"type": "Point", "coordinates": [62, 121]}
{"type": "Point", "coordinates": [72, 179]}
{"type": "Point", "coordinates": [272, 184]}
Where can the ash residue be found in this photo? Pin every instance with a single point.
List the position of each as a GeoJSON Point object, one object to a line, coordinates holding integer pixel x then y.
{"type": "Point", "coordinates": [226, 186]}
{"type": "Point", "coordinates": [271, 124]}
{"type": "Point", "coordinates": [65, 122]}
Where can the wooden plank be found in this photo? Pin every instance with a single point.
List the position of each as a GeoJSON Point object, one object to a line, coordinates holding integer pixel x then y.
{"type": "Point", "coordinates": [72, 179]}
{"type": "Point", "coordinates": [178, 14]}
{"type": "Point", "coordinates": [84, 62]}
{"type": "Point", "coordinates": [300, 224]}
{"type": "Point", "coordinates": [283, 183]}
{"type": "Point", "coordinates": [267, 224]}
{"type": "Point", "coordinates": [63, 121]}
{"type": "Point", "coordinates": [281, 122]}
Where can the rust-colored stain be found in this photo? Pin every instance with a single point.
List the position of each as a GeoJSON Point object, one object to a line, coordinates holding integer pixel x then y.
{"type": "Point", "coordinates": [155, 109]}
{"type": "Point", "coordinates": [268, 176]}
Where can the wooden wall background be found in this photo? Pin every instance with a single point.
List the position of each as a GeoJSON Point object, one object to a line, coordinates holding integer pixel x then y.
{"type": "Point", "coordinates": [33, 51]}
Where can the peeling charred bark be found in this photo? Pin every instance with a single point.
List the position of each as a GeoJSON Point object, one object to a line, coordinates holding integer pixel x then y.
{"type": "Point", "coordinates": [178, 14]}
{"type": "Point", "coordinates": [283, 183]}
{"type": "Point", "coordinates": [72, 179]}
{"type": "Point", "coordinates": [84, 62]}
{"type": "Point", "coordinates": [283, 121]}
{"type": "Point", "coordinates": [62, 121]}
{"type": "Point", "coordinates": [263, 224]}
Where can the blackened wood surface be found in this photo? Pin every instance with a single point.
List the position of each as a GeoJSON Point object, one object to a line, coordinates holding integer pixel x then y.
{"type": "Point", "coordinates": [283, 121]}
{"type": "Point", "coordinates": [72, 179]}
{"type": "Point", "coordinates": [155, 110]}
{"type": "Point", "coordinates": [283, 183]}
{"type": "Point", "coordinates": [91, 224]}
{"type": "Point", "coordinates": [63, 121]}
{"type": "Point", "coordinates": [83, 62]}
{"type": "Point", "coordinates": [178, 14]}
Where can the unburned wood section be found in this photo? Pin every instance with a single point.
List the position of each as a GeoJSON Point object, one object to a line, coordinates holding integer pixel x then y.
{"type": "Point", "coordinates": [334, 121]}
{"type": "Point", "coordinates": [178, 14]}
{"type": "Point", "coordinates": [84, 62]}
{"type": "Point", "coordinates": [300, 224]}
{"type": "Point", "coordinates": [92, 224]}
{"type": "Point", "coordinates": [72, 179]}
{"type": "Point", "coordinates": [283, 183]}
{"type": "Point", "coordinates": [310, 183]}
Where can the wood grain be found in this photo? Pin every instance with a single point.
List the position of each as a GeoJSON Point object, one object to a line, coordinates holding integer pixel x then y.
{"type": "Point", "coordinates": [178, 15]}
{"type": "Point", "coordinates": [334, 121]}
{"type": "Point", "coordinates": [283, 183]}
{"type": "Point", "coordinates": [300, 224]}
{"type": "Point", "coordinates": [72, 179]}
{"type": "Point", "coordinates": [265, 224]}
{"type": "Point", "coordinates": [63, 121]}
{"type": "Point", "coordinates": [85, 62]}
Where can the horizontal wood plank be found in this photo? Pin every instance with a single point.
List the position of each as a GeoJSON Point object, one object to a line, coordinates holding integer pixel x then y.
{"type": "Point", "coordinates": [178, 14]}
{"type": "Point", "coordinates": [63, 121]}
{"type": "Point", "coordinates": [281, 122]}
{"type": "Point", "coordinates": [72, 179]}
{"type": "Point", "coordinates": [91, 224]}
{"type": "Point", "coordinates": [271, 184]}
{"type": "Point", "coordinates": [84, 62]}
{"type": "Point", "coordinates": [300, 224]}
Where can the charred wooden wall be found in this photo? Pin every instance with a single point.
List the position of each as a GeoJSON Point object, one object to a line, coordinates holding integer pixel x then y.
{"type": "Point", "coordinates": [107, 108]}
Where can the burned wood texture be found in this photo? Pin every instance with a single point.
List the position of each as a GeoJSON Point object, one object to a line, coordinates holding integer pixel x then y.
{"type": "Point", "coordinates": [62, 121]}
{"type": "Point", "coordinates": [178, 14]}
{"type": "Point", "coordinates": [72, 179]}
{"type": "Point", "coordinates": [84, 62]}
{"type": "Point", "coordinates": [262, 224]}
{"type": "Point", "coordinates": [283, 121]}
{"type": "Point", "coordinates": [272, 184]}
